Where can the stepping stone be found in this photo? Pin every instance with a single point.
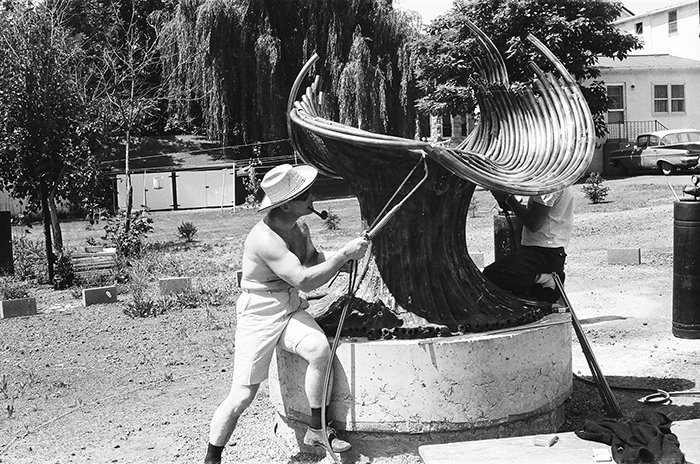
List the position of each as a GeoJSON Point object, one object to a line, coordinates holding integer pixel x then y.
{"type": "Point", "coordinates": [99, 295]}
{"type": "Point", "coordinates": [17, 307]}
{"type": "Point", "coordinates": [624, 256]}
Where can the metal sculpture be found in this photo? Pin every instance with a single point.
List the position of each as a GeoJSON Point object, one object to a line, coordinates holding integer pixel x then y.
{"type": "Point", "coordinates": [419, 280]}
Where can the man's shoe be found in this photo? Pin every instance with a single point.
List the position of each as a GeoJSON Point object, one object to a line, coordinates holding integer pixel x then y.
{"type": "Point", "coordinates": [314, 437]}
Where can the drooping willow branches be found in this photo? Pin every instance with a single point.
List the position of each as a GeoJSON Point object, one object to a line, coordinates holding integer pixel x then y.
{"type": "Point", "coordinates": [235, 61]}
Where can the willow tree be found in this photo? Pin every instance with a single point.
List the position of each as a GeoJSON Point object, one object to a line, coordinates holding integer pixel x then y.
{"type": "Point", "coordinates": [246, 54]}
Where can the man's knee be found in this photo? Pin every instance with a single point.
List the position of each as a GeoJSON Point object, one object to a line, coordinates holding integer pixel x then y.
{"type": "Point", "coordinates": [240, 397]}
{"type": "Point", "coordinates": [314, 349]}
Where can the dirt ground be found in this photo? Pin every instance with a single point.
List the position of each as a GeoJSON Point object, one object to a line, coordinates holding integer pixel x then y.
{"type": "Point", "coordinates": [91, 385]}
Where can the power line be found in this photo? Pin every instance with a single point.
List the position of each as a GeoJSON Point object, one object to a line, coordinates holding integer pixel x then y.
{"type": "Point", "coordinates": [204, 150]}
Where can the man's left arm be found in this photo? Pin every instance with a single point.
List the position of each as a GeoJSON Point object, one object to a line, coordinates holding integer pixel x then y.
{"type": "Point", "coordinates": [315, 256]}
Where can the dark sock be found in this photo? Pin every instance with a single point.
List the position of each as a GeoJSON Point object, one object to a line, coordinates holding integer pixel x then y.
{"type": "Point", "coordinates": [213, 454]}
{"type": "Point", "coordinates": [315, 418]}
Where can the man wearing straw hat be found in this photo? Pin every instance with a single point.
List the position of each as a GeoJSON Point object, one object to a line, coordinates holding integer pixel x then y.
{"type": "Point", "coordinates": [279, 259]}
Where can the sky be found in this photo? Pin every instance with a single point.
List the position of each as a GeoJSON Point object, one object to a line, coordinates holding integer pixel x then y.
{"type": "Point", "coordinates": [429, 9]}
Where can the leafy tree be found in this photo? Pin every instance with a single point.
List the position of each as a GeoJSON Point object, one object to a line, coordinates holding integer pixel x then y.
{"type": "Point", "coordinates": [245, 54]}
{"type": "Point", "coordinates": [47, 136]}
{"type": "Point", "coordinates": [576, 31]}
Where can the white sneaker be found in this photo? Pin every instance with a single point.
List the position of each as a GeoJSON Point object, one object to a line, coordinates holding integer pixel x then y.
{"type": "Point", "coordinates": [314, 437]}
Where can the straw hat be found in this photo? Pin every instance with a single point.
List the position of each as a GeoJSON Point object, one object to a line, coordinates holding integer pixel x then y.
{"type": "Point", "coordinates": [284, 182]}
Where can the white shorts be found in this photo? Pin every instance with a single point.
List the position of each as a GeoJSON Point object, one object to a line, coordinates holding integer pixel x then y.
{"type": "Point", "coordinates": [266, 320]}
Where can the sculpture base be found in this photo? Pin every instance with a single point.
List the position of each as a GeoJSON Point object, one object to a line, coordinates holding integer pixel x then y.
{"type": "Point", "coordinates": [494, 384]}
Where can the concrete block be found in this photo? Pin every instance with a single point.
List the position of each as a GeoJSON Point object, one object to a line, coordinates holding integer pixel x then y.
{"type": "Point", "coordinates": [93, 249]}
{"type": "Point", "coordinates": [98, 295]}
{"type": "Point", "coordinates": [174, 285]}
{"type": "Point", "coordinates": [18, 307]}
{"type": "Point", "coordinates": [478, 259]}
{"type": "Point", "coordinates": [518, 450]}
{"type": "Point", "coordinates": [624, 256]}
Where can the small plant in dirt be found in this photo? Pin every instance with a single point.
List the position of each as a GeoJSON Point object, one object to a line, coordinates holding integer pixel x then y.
{"type": "Point", "coordinates": [187, 231]}
{"type": "Point", "coordinates": [63, 276]}
{"type": "Point", "coordinates": [594, 189]}
{"type": "Point", "coordinates": [30, 259]}
{"type": "Point", "coordinates": [13, 289]}
{"type": "Point", "coordinates": [473, 207]}
{"type": "Point", "coordinates": [332, 221]}
{"type": "Point", "coordinates": [142, 304]}
{"type": "Point", "coordinates": [188, 299]}
{"type": "Point", "coordinates": [128, 243]}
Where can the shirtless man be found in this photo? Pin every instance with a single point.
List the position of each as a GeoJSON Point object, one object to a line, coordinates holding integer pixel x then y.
{"type": "Point", "coordinates": [279, 259]}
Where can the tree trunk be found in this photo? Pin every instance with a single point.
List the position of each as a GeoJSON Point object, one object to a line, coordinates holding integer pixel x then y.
{"type": "Point", "coordinates": [50, 258]}
{"type": "Point", "coordinates": [55, 224]}
{"type": "Point", "coordinates": [129, 186]}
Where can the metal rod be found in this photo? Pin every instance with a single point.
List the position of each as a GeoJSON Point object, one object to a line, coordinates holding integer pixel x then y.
{"type": "Point", "coordinates": [673, 191]}
{"type": "Point", "coordinates": [380, 221]}
{"type": "Point", "coordinates": [609, 402]}
{"type": "Point", "coordinates": [334, 347]}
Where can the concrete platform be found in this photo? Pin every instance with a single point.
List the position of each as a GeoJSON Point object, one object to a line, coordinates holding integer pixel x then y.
{"type": "Point", "coordinates": [501, 383]}
{"type": "Point", "coordinates": [570, 449]}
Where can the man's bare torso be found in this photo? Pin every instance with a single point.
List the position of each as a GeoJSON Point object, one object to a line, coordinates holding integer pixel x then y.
{"type": "Point", "coordinates": [264, 240]}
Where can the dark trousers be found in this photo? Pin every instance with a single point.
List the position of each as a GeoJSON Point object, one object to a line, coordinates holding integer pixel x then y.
{"type": "Point", "coordinates": [517, 271]}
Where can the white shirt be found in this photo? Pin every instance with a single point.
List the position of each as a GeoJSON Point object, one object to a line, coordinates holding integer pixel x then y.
{"type": "Point", "coordinates": [556, 229]}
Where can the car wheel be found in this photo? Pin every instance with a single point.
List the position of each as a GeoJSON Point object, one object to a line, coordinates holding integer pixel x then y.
{"type": "Point", "coordinates": [666, 168]}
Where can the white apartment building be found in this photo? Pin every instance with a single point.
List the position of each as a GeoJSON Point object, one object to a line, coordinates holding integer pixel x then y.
{"type": "Point", "coordinates": [670, 30]}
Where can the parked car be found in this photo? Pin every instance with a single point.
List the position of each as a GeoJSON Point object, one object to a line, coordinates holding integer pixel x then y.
{"type": "Point", "coordinates": [667, 151]}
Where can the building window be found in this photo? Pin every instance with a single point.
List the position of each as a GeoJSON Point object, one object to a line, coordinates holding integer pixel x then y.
{"type": "Point", "coordinates": [616, 104]}
{"type": "Point", "coordinates": [669, 98]}
{"type": "Point", "coordinates": [639, 28]}
{"type": "Point", "coordinates": [672, 22]}
{"type": "Point", "coordinates": [446, 125]}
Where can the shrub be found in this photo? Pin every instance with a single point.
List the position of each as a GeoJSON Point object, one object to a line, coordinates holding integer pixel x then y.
{"type": "Point", "coordinates": [252, 186]}
{"type": "Point", "coordinates": [473, 207]}
{"type": "Point", "coordinates": [12, 289]}
{"type": "Point", "coordinates": [332, 222]}
{"type": "Point", "coordinates": [30, 259]}
{"type": "Point", "coordinates": [131, 243]}
{"type": "Point", "coordinates": [64, 275]}
{"type": "Point", "coordinates": [142, 305]}
{"type": "Point", "coordinates": [594, 190]}
{"type": "Point", "coordinates": [187, 231]}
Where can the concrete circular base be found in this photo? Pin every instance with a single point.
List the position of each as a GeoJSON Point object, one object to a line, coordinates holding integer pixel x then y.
{"type": "Point", "coordinates": [487, 385]}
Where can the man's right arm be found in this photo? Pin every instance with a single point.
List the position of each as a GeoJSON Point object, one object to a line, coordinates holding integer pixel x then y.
{"type": "Point", "coordinates": [532, 215]}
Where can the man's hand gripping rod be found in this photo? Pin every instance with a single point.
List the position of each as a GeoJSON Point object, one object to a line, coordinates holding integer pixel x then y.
{"type": "Point", "coordinates": [379, 222]}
